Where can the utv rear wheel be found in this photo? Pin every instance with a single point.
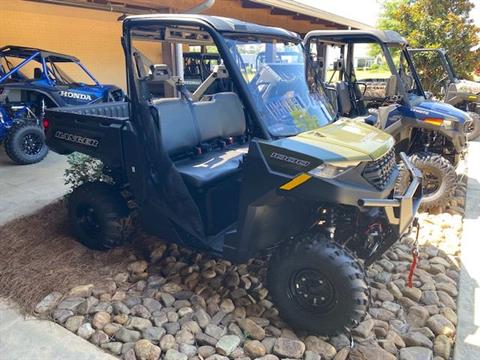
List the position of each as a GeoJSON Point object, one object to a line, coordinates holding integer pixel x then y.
{"type": "Point", "coordinates": [317, 285]}
{"type": "Point", "coordinates": [99, 216]}
{"type": "Point", "coordinates": [473, 130]}
{"type": "Point", "coordinates": [25, 143]}
{"type": "Point", "coordinates": [439, 179]}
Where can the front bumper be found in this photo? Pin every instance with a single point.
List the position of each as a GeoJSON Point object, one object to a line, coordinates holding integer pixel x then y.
{"type": "Point", "coordinates": [401, 210]}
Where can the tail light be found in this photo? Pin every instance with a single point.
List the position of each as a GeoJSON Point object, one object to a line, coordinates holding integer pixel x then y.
{"type": "Point", "coordinates": [45, 124]}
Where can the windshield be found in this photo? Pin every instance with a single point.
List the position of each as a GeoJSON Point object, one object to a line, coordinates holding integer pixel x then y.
{"type": "Point", "coordinates": [449, 64]}
{"type": "Point", "coordinates": [68, 73]}
{"type": "Point", "coordinates": [406, 70]}
{"type": "Point", "coordinates": [276, 77]}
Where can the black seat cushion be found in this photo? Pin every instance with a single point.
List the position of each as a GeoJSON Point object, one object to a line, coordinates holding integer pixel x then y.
{"type": "Point", "coordinates": [208, 169]}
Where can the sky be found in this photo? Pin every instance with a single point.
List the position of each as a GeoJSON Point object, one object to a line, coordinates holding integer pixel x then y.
{"type": "Point", "coordinates": [365, 11]}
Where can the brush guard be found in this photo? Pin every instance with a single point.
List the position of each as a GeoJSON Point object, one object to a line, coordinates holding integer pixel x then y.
{"type": "Point", "coordinates": [401, 210]}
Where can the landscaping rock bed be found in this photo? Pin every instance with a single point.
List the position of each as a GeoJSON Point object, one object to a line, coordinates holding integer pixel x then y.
{"type": "Point", "coordinates": [184, 305]}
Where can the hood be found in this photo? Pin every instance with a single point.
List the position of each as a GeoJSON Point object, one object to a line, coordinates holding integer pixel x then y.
{"type": "Point", "coordinates": [429, 109]}
{"type": "Point", "coordinates": [344, 141]}
{"type": "Point", "coordinates": [468, 87]}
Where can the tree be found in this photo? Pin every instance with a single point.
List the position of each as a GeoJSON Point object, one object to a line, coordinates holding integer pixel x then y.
{"type": "Point", "coordinates": [434, 24]}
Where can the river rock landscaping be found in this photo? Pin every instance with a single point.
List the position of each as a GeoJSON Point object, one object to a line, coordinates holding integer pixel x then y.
{"type": "Point", "coordinates": [182, 305]}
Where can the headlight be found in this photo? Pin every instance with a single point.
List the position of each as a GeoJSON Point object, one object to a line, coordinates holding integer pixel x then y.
{"type": "Point", "coordinates": [329, 171]}
{"type": "Point", "coordinates": [449, 124]}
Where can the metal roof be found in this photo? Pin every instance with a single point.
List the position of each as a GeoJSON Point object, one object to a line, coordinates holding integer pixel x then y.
{"type": "Point", "coordinates": [277, 10]}
{"type": "Point", "coordinates": [221, 24]}
{"type": "Point", "coordinates": [25, 52]}
{"type": "Point", "coordinates": [388, 37]}
{"type": "Point", "coordinates": [300, 8]}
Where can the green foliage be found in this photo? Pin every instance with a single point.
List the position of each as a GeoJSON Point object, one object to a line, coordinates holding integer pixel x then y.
{"type": "Point", "coordinates": [83, 168]}
{"type": "Point", "coordinates": [434, 24]}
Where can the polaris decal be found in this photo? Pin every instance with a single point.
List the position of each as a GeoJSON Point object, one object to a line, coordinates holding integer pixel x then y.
{"type": "Point", "coordinates": [423, 112]}
{"type": "Point", "coordinates": [76, 139]}
{"type": "Point", "coordinates": [74, 95]}
{"type": "Point", "coordinates": [289, 159]}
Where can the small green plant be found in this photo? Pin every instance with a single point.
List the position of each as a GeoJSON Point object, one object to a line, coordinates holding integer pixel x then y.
{"type": "Point", "coordinates": [83, 168]}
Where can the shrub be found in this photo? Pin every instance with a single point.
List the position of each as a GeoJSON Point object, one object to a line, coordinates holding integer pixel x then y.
{"type": "Point", "coordinates": [83, 168]}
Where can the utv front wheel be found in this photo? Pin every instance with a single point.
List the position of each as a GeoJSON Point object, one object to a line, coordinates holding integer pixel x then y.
{"type": "Point", "coordinates": [317, 285]}
{"type": "Point", "coordinates": [25, 143]}
{"type": "Point", "coordinates": [99, 216]}
{"type": "Point", "coordinates": [473, 129]}
{"type": "Point", "coordinates": [438, 179]}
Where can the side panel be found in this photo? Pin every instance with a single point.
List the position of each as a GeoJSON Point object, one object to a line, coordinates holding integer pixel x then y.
{"type": "Point", "coordinates": [265, 217]}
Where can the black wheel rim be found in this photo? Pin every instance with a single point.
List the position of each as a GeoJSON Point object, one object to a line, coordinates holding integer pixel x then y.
{"type": "Point", "coordinates": [431, 182]}
{"type": "Point", "coordinates": [88, 221]}
{"type": "Point", "coordinates": [31, 144]}
{"type": "Point", "coordinates": [312, 291]}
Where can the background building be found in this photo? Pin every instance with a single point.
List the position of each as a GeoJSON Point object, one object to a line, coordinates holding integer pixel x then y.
{"type": "Point", "coordinates": [90, 30]}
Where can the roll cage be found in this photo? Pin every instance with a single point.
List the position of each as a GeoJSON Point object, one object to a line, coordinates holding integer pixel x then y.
{"type": "Point", "coordinates": [385, 39]}
{"type": "Point", "coordinates": [218, 29]}
{"type": "Point", "coordinates": [46, 60]}
{"type": "Point", "coordinates": [444, 60]}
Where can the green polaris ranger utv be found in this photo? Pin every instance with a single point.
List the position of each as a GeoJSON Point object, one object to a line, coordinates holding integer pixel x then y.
{"type": "Point", "coordinates": [463, 94]}
{"type": "Point", "coordinates": [259, 168]}
{"type": "Point", "coordinates": [385, 91]}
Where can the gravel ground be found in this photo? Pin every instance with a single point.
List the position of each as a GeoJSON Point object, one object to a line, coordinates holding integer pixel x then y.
{"type": "Point", "coordinates": [184, 305]}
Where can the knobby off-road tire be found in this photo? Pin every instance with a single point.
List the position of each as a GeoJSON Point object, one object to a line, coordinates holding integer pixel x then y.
{"type": "Point", "coordinates": [317, 285]}
{"type": "Point", "coordinates": [99, 216]}
{"type": "Point", "coordinates": [439, 179]}
{"type": "Point", "coordinates": [403, 179]}
{"type": "Point", "coordinates": [474, 129]}
{"type": "Point", "coordinates": [25, 143]}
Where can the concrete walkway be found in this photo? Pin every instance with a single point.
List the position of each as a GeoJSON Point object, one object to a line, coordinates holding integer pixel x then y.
{"type": "Point", "coordinates": [32, 339]}
{"type": "Point", "coordinates": [27, 188]}
{"type": "Point", "coordinates": [468, 331]}
{"type": "Point", "coordinates": [23, 190]}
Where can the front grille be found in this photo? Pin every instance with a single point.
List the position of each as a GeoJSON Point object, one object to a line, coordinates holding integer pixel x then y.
{"type": "Point", "coordinates": [379, 172]}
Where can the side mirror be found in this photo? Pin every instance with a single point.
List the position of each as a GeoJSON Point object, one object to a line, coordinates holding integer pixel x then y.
{"type": "Point", "coordinates": [428, 95]}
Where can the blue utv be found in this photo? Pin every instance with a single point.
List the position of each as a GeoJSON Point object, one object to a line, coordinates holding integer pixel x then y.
{"type": "Point", "coordinates": [385, 91]}
{"type": "Point", "coordinates": [32, 80]}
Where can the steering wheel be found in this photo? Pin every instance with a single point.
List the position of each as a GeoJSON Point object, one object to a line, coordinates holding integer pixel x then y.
{"type": "Point", "coordinates": [362, 83]}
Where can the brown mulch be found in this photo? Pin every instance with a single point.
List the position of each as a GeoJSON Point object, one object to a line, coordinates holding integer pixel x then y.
{"type": "Point", "coordinates": [38, 255]}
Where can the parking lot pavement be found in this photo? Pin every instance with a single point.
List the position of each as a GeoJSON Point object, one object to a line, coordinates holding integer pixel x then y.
{"type": "Point", "coordinates": [27, 188]}
{"type": "Point", "coordinates": [467, 345]}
